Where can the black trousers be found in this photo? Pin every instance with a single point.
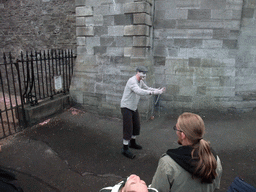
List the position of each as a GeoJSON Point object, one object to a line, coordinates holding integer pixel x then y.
{"type": "Point", "coordinates": [131, 123]}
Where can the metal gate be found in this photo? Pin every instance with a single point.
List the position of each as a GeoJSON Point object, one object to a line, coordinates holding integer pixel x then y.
{"type": "Point", "coordinates": [29, 80]}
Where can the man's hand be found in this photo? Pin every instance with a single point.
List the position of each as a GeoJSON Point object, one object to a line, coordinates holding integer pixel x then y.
{"type": "Point", "coordinates": [157, 92]}
{"type": "Point", "coordinates": [163, 89]}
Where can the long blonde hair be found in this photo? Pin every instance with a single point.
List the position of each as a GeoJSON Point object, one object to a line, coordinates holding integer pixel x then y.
{"type": "Point", "coordinates": [192, 125]}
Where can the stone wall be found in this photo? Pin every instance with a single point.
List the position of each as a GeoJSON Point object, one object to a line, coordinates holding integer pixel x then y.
{"type": "Point", "coordinates": [113, 38]}
{"type": "Point", "coordinates": [204, 54]}
{"type": "Point", "coordinates": [202, 51]}
{"type": "Point", "coordinates": [28, 25]}
{"type": "Point", "coordinates": [246, 58]}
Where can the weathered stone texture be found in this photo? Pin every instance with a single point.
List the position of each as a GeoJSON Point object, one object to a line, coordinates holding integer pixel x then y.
{"type": "Point", "coordinates": [37, 25]}
{"type": "Point", "coordinates": [137, 7]}
{"type": "Point", "coordinates": [208, 47]}
{"type": "Point", "coordinates": [126, 19]}
{"type": "Point", "coordinates": [142, 18]}
{"type": "Point", "coordinates": [85, 11]}
{"type": "Point", "coordinates": [199, 14]}
{"type": "Point", "coordinates": [204, 50]}
{"type": "Point", "coordinates": [134, 30]}
{"type": "Point", "coordinates": [85, 31]}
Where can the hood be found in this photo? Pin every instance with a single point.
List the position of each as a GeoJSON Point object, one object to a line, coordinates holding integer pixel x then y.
{"type": "Point", "coordinates": [182, 156]}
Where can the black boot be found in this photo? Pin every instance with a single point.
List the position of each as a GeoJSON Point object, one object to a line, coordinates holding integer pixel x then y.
{"type": "Point", "coordinates": [134, 145]}
{"type": "Point", "coordinates": [126, 152]}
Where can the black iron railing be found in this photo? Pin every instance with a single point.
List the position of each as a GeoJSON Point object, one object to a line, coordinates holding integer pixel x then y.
{"type": "Point", "coordinates": [41, 71]}
{"type": "Point", "coordinates": [30, 79]}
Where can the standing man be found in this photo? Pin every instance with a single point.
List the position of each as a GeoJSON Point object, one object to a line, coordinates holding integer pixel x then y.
{"type": "Point", "coordinates": [194, 166]}
{"type": "Point", "coordinates": [135, 87]}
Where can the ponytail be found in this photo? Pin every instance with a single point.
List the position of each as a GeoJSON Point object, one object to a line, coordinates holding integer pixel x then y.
{"type": "Point", "coordinates": [207, 163]}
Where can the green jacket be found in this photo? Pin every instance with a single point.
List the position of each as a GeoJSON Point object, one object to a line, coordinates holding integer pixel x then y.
{"type": "Point", "coordinates": [171, 177]}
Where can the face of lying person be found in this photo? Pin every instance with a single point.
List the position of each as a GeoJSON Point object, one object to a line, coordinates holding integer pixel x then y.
{"type": "Point", "coordinates": [135, 184]}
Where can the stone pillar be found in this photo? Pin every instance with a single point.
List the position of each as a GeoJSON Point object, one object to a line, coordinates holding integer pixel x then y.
{"type": "Point", "coordinates": [113, 38]}
{"type": "Point", "coordinates": [140, 52]}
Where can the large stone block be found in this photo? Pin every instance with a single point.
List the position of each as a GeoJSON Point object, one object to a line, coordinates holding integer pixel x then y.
{"type": "Point", "coordinates": [80, 3]}
{"type": "Point", "coordinates": [92, 100]}
{"type": "Point", "coordinates": [188, 91]}
{"type": "Point", "coordinates": [227, 81]}
{"type": "Point", "coordinates": [180, 79]}
{"type": "Point", "coordinates": [80, 21]}
{"type": "Point", "coordinates": [223, 71]}
{"type": "Point", "coordinates": [172, 13]}
{"type": "Point", "coordinates": [95, 2]}
{"type": "Point", "coordinates": [100, 50]}
{"type": "Point", "coordinates": [126, 19]}
{"type": "Point", "coordinates": [212, 44]}
{"type": "Point", "coordinates": [107, 41]}
{"type": "Point", "coordinates": [206, 81]}
{"type": "Point", "coordinates": [201, 90]}
{"type": "Point", "coordinates": [133, 30]}
{"type": "Point", "coordinates": [137, 7]}
{"type": "Point", "coordinates": [80, 40]}
{"type": "Point", "coordinates": [149, 1]}
{"type": "Point", "coordinates": [124, 41]}
{"type": "Point", "coordinates": [248, 12]}
{"type": "Point", "coordinates": [188, 4]}
{"type": "Point", "coordinates": [173, 52]}
{"type": "Point", "coordinates": [164, 24]}
{"type": "Point", "coordinates": [140, 52]}
{"type": "Point", "coordinates": [181, 98]}
{"type": "Point", "coordinates": [222, 14]}
{"type": "Point", "coordinates": [251, 4]}
{"type": "Point", "coordinates": [85, 31]}
{"type": "Point", "coordinates": [185, 71]}
{"type": "Point", "coordinates": [98, 20]}
{"type": "Point", "coordinates": [102, 10]}
{"type": "Point", "coordinates": [141, 41]}
{"type": "Point", "coordinates": [85, 11]}
{"type": "Point", "coordinates": [89, 60]}
{"type": "Point", "coordinates": [108, 20]}
{"type": "Point", "coordinates": [234, 4]}
{"type": "Point", "coordinates": [117, 30]}
{"type": "Point", "coordinates": [101, 31]}
{"type": "Point", "coordinates": [200, 33]}
{"type": "Point", "coordinates": [47, 108]}
{"type": "Point", "coordinates": [142, 18]}
{"type": "Point", "coordinates": [171, 34]}
{"type": "Point", "coordinates": [221, 33]}
{"type": "Point", "coordinates": [161, 51]}
{"type": "Point", "coordinates": [230, 44]}
{"type": "Point", "coordinates": [83, 68]}
{"type": "Point", "coordinates": [194, 62]}
{"type": "Point", "coordinates": [211, 24]}
{"type": "Point", "coordinates": [81, 50]}
{"type": "Point", "coordinates": [127, 51]}
{"type": "Point", "coordinates": [220, 91]}
{"type": "Point", "coordinates": [188, 43]}
{"type": "Point", "coordinates": [89, 21]}
{"type": "Point", "coordinates": [212, 4]}
{"type": "Point", "coordinates": [116, 8]}
{"type": "Point", "coordinates": [92, 41]}
{"type": "Point", "coordinates": [198, 14]}
{"type": "Point", "coordinates": [115, 51]}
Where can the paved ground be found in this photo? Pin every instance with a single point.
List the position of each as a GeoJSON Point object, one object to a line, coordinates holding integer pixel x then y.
{"type": "Point", "coordinates": [80, 151]}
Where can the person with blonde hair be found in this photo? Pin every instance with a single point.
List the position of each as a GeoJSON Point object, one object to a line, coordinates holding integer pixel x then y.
{"type": "Point", "coordinates": [194, 166]}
